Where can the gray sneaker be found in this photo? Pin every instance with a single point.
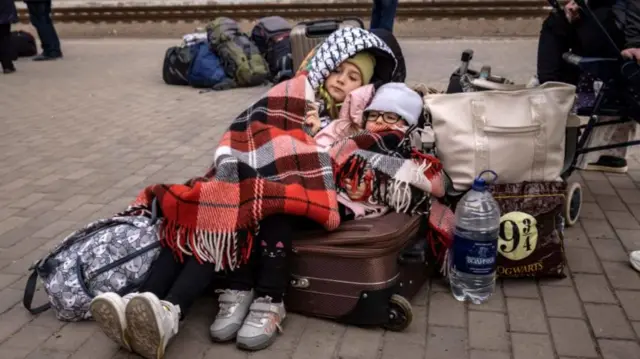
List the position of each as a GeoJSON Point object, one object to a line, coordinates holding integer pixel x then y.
{"type": "Point", "coordinates": [261, 325]}
{"type": "Point", "coordinates": [234, 306]}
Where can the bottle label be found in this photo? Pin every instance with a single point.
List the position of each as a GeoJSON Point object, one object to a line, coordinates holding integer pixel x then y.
{"type": "Point", "coordinates": [474, 257]}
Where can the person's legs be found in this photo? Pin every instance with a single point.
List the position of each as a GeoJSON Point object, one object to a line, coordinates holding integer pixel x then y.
{"type": "Point", "coordinates": [594, 43]}
{"type": "Point", "coordinates": [54, 40]}
{"type": "Point", "coordinates": [6, 49]}
{"type": "Point", "coordinates": [192, 282]}
{"type": "Point", "coordinates": [40, 16]}
{"type": "Point", "coordinates": [388, 14]}
{"type": "Point", "coordinates": [234, 302]}
{"type": "Point", "coordinates": [108, 309]}
{"type": "Point", "coordinates": [153, 322]}
{"type": "Point", "coordinates": [267, 311]}
{"type": "Point", "coordinates": [376, 15]}
{"type": "Point", "coordinates": [274, 247]}
{"type": "Point", "coordinates": [163, 274]}
{"type": "Point", "coordinates": [36, 9]}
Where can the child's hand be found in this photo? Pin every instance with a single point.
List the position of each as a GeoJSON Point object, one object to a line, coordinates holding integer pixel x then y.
{"type": "Point", "coordinates": [312, 118]}
{"type": "Point", "coordinates": [357, 193]}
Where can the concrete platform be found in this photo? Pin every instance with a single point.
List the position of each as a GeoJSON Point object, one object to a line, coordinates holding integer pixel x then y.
{"type": "Point", "coordinates": [80, 137]}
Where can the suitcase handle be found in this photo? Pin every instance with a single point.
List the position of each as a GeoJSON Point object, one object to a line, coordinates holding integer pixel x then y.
{"type": "Point", "coordinates": [412, 257]}
{"type": "Point", "coordinates": [324, 27]}
{"type": "Point", "coordinates": [416, 253]}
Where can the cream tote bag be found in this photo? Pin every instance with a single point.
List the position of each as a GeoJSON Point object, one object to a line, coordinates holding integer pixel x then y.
{"type": "Point", "coordinates": [519, 134]}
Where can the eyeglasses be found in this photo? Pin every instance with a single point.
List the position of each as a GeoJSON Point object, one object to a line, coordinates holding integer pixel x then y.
{"type": "Point", "coordinates": [388, 117]}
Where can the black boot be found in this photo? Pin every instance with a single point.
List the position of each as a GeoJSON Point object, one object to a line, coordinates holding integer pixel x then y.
{"type": "Point", "coordinates": [47, 57]}
{"type": "Point", "coordinates": [608, 164]}
{"type": "Point", "coordinates": [8, 68]}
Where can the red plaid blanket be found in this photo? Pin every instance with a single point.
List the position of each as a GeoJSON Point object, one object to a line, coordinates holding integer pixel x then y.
{"type": "Point", "coordinates": [265, 164]}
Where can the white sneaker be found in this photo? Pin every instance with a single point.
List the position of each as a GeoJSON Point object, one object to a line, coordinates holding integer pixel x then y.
{"type": "Point", "coordinates": [107, 310]}
{"type": "Point", "coordinates": [634, 259]}
{"type": "Point", "coordinates": [234, 306]}
{"type": "Point", "coordinates": [261, 325]}
{"type": "Point", "coordinates": [151, 324]}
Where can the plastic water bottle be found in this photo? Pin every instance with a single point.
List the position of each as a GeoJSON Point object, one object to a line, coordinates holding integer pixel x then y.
{"type": "Point", "coordinates": [472, 261]}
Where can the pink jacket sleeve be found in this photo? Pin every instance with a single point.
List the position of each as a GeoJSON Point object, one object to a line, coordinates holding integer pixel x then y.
{"type": "Point", "coordinates": [355, 103]}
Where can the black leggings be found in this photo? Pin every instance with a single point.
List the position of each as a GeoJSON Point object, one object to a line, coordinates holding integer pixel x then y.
{"type": "Point", "coordinates": [178, 283]}
{"type": "Point", "coordinates": [268, 269]}
{"type": "Point", "coordinates": [268, 272]}
{"type": "Point", "coordinates": [582, 38]}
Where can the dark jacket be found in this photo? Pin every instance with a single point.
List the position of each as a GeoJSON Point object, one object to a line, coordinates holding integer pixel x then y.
{"type": "Point", "coordinates": [628, 13]}
{"type": "Point", "coordinates": [8, 12]}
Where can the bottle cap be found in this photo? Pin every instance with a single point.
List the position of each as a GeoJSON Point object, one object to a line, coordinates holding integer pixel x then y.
{"type": "Point", "coordinates": [480, 184]}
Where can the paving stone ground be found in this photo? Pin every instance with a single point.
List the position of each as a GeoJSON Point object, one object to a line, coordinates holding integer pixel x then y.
{"type": "Point", "coordinates": [80, 137]}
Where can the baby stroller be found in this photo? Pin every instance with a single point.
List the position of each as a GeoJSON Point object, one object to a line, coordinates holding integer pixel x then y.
{"type": "Point", "coordinates": [465, 79]}
{"type": "Point", "coordinates": [617, 97]}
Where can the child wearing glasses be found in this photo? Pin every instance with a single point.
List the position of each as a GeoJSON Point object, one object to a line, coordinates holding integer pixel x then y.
{"type": "Point", "coordinates": [393, 107]}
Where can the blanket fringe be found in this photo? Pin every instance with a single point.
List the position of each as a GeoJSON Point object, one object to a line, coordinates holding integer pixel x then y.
{"type": "Point", "coordinates": [399, 195]}
{"type": "Point", "coordinates": [219, 248]}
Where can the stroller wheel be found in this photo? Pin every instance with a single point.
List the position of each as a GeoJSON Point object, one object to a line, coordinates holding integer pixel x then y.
{"type": "Point", "coordinates": [400, 314]}
{"type": "Point", "coordinates": [572, 203]}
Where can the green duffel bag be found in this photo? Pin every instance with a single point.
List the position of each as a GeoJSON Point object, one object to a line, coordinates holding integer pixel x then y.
{"type": "Point", "coordinates": [240, 57]}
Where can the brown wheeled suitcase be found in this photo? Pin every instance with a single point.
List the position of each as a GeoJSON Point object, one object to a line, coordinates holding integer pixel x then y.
{"type": "Point", "coordinates": [363, 273]}
{"type": "Point", "coordinates": [308, 34]}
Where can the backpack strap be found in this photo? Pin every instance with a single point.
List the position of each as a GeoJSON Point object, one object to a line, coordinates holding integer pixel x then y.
{"type": "Point", "coordinates": [30, 291]}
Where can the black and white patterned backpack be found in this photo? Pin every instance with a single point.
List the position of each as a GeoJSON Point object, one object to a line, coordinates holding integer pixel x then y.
{"type": "Point", "coordinates": [108, 255]}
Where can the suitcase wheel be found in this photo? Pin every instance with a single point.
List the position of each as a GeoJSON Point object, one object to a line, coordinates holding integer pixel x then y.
{"type": "Point", "coordinates": [400, 314]}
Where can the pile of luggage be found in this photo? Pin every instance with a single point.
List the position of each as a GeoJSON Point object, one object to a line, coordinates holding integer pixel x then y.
{"type": "Point", "coordinates": [366, 272]}
{"type": "Point", "coordinates": [223, 57]}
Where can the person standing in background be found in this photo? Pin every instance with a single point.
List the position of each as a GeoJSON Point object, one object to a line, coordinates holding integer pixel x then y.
{"type": "Point", "coordinates": [40, 16]}
{"type": "Point", "coordinates": [8, 15]}
{"type": "Point", "coordinates": [569, 30]}
{"type": "Point", "coordinates": [383, 14]}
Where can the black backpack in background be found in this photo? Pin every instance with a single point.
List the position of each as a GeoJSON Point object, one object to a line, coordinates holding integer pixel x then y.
{"type": "Point", "coordinates": [271, 36]}
{"type": "Point", "coordinates": [24, 44]}
{"type": "Point", "coordinates": [177, 61]}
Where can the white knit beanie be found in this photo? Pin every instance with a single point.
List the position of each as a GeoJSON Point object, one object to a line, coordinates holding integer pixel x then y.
{"type": "Point", "coordinates": [398, 98]}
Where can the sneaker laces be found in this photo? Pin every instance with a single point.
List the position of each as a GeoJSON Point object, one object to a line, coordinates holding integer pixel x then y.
{"type": "Point", "coordinates": [256, 316]}
{"type": "Point", "coordinates": [227, 306]}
